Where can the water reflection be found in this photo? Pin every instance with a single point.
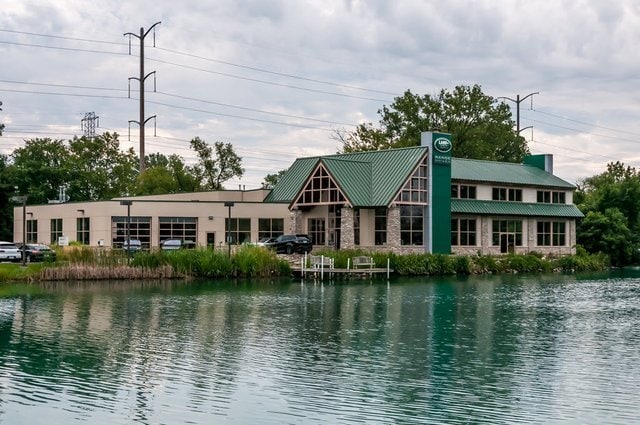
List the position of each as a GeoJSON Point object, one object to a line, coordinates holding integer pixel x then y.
{"type": "Point", "coordinates": [506, 349]}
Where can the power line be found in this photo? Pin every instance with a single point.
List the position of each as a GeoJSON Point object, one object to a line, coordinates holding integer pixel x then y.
{"type": "Point", "coordinates": [61, 85]}
{"type": "Point", "coordinates": [226, 105]}
{"type": "Point", "coordinates": [251, 68]}
{"type": "Point", "coordinates": [240, 117]}
{"type": "Point", "coordinates": [99, 96]}
{"type": "Point", "coordinates": [281, 74]}
{"type": "Point", "coordinates": [72, 49]}
{"type": "Point", "coordinates": [585, 123]}
{"type": "Point", "coordinates": [580, 131]}
{"type": "Point", "coordinates": [62, 37]}
{"type": "Point", "coordinates": [255, 80]}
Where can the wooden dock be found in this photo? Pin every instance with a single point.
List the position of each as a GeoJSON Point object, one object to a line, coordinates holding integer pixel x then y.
{"type": "Point", "coordinates": [333, 273]}
{"type": "Point", "coordinates": [319, 267]}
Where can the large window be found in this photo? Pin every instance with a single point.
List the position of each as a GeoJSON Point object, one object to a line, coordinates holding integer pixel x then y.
{"type": "Point", "coordinates": [415, 189]}
{"type": "Point", "coordinates": [82, 230]}
{"type": "Point", "coordinates": [270, 227]}
{"type": "Point", "coordinates": [551, 233]}
{"type": "Point", "coordinates": [507, 234]}
{"type": "Point", "coordinates": [139, 228]}
{"type": "Point", "coordinates": [551, 197]}
{"type": "Point", "coordinates": [381, 226]}
{"type": "Point", "coordinates": [412, 225]}
{"type": "Point", "coordinates": [320, 189]}
{"type": "Point", "coordinates": [463, 191]}
{"type": "Point", "coordinates": [506, 194]}
{"type": "Point", "coordinates": [240, 230]}
{"type": "Point", "coordinates": [335, 212]}
{"type": "Point", "coordinates": [183, 228]}
{"type": "Point", "coordinates": [317, 229]}
{"type": "Point", "coordinates": [463, 232]}
{"type": "Point", "coordinates": [56, 229]}
{"type": "Point", "coordinates": [32, 231]}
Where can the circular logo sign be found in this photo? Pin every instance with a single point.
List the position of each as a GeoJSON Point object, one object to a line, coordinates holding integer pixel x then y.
{"type": "Point", "coordinates": [442, 145]}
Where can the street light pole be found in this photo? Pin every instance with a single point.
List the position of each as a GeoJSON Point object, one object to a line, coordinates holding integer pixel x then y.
{"type": "Point", "coordinates": [517, 101]}
{"type": "Point", "coordinates": [229, 205]}
{"type": "Point", "coordinates": [128, 203]}
{"type": "Point", "coordinates": [23, 199]}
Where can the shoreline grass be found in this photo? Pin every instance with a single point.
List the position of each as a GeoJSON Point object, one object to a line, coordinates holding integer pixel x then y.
{"type": "Point", "coordinates": [84, 263]}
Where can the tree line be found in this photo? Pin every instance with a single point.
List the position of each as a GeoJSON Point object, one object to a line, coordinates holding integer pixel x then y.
{"type": "Point", "coordinates": [94, 169]}
{"type": "Point", "coordinates": [481, 126]}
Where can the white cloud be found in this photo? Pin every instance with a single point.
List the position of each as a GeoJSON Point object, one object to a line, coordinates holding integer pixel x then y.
{"type": "Point", "coordinates": [579, 55]}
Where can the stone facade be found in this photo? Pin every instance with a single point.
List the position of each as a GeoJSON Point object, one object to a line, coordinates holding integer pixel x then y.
{"type": "Point", "coordinates": [347, 235]}
{"type": "Point", "coordinates": [296, 224]}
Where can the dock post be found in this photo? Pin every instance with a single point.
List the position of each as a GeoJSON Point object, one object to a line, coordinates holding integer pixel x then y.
{"type": "Point", "coordinates": [388, 262]}
{"type": "Point", "coordinates": [322, 267]}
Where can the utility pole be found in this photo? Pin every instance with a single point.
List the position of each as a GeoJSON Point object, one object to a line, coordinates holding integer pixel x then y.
{"type": "Point", "coordinates": [141, 80]}
{"type": "Point", "coordinates": [517, 101]}
{"type": "Point", "coordinates": [89, 124]}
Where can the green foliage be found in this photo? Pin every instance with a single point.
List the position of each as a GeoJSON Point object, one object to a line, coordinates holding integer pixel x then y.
{"type": "Point", "coordinates": [486, 264]}
{"type": "Point", "coordinates": [607, 233]}
{"type": "Point", "coordinates": [39, 168]}
{"type": "Point", "coordinates": [611, 204]}
{"type": "Point", "coordinates": [481, 127]}
{"type": "Point", "coordinates": [217, 164]}
{"type": "Point", "coordinates": [99, 169]}
{"type": "Point", "coordinates": [247, 261]}
{"type": "Point", "coordinates": [167, 174]}
{"type": "Point", "coordinates": [15, 272]}
{"type": "Point", "coordinates": [270, 180]}
{"type": "Point", "coordinates": [581, 262]}
{"type": "Point", "coordinates": [462, 265]}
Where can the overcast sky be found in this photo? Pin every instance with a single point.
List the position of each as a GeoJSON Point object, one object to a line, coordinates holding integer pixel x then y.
{"type": "Point", "coordinates": [275, 78]}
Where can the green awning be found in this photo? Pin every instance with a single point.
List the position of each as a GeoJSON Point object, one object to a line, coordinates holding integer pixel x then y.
{"type": "Point", "coordinates": [480, 207]}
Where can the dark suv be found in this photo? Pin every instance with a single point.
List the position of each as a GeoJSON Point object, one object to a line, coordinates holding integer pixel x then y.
{"type": "Point", "coordinates": [290, 244]}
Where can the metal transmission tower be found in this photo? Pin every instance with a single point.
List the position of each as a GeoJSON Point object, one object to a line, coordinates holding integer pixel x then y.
{"type": "Point", "coordinates": [89, 124]}
{"type": "Point", "coordinates": [517, 101]}
{"type": "Point", "coordinates": [142, 121]}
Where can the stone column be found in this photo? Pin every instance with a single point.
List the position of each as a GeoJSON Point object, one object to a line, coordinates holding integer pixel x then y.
{"type": "Point", "coordinates": [393, 228]}
{"type": "Point", "coordinates": [347, 234]}
{"type": "Point", "coordinates": [295, 222]}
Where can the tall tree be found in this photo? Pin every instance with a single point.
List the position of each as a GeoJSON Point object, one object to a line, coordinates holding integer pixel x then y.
{"type": "Point", "coordinates": [481, 127]}
{"type": "Point", "coordinates": [218, 163]}
{"type": "Point", "coordinates": [100, 169]}
{"type": "Point", "coordinates": [40, 168]}
{"type": "Point", "coordinates": [6, 206]}
{"type": "Point", "coordinates": [270, 180]}
{"type": "Point", "coordinates": [167, 174]}
{"type": "Point", "coordinates": [611, 203]}
{"type": "Point", "coordinates": [607, 232]}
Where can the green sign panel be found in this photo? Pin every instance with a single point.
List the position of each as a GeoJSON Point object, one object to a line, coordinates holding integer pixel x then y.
{"type": "Point", "coordinates": [438, 214]}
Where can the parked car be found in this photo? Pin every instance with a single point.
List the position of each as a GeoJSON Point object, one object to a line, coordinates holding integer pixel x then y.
{"type": "Point", "coordinates": [37, 252]}
{"type": "Point", "coordinates": [133, 246]}
{"type": "Point", "coordinates": [290, 244]}
{"type": "Point", "coordinates": [173, 244]}
{"type": "Point", "coordinates": [9, 252]}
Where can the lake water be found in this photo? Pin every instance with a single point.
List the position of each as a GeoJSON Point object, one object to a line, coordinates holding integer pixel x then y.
{"type": "Point", "coordinates": [494, 350]}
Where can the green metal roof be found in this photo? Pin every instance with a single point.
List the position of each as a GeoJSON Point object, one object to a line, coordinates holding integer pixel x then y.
{"type": "Point", "coordinates": [367, 179]}
{"type": "Point", "coordinates": [504, 173]}
{"type": "Point", "coordinates": [291, 182]}
{"type": "Point", "coordinates": [476, 206]}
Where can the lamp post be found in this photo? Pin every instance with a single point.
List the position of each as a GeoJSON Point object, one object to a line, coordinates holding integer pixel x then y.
{"type": "Point", "coordinates": [128, 203]}
{"type": "Point", "coordinates": [22, 199]}
{"type": "Point", "coordinates": [229, 205]}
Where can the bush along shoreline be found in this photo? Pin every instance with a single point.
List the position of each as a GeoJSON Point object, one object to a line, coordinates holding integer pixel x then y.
{"type": "Point", "coordinates": [84, 263]}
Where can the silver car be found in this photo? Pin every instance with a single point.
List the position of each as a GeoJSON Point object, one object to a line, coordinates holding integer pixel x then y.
{"type": "Point", "coordinates": [9, 252]}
